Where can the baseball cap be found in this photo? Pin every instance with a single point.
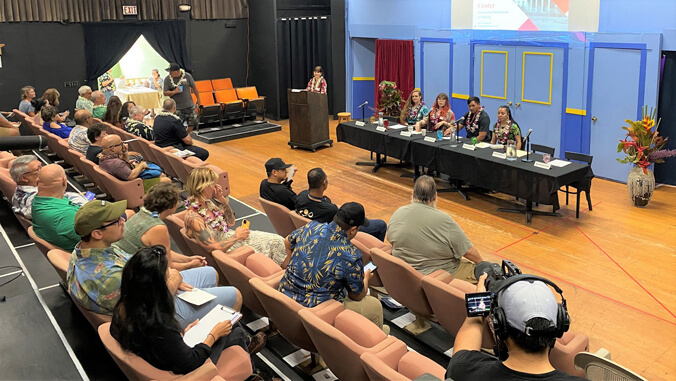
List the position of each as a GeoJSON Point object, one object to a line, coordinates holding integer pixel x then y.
{"type": "Point", "coordinates": [94, 214]}
{"type": "Point", "coordinates": [526, 300]}
{"type": "Point", "coordinates": [275, 163]}
{"type": "Point", "coordinates": [173, 67]}
{"type": "Point", "coordinates": [352, 213]}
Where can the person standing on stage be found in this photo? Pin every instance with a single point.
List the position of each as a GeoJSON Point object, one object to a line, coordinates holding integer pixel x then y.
{"type": "Point", "coordinates": [178, 85]}
{"type": "Point", "coordinates": [317, 84]}
{"type": "Point", "coordinates": [476, 121]}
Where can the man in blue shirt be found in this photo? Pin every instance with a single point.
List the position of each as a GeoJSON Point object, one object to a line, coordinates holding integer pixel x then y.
{"type": "Point", "coordinates": [322, 264]}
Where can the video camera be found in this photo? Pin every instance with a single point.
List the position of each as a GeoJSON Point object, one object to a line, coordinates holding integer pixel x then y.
{"type": "Point", "coordinates": [479, 303]}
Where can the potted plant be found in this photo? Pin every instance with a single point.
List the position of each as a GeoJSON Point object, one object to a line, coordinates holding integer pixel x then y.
{"type": "Point", "coordinates": [390, 98]}
{"type": "Point", "coordinates": [643, 147]}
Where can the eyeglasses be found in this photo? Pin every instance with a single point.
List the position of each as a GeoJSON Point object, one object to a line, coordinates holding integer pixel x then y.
{"type": "Point", "coordinates": [116, 145]}
{"type": "Point", "coordinates": [116, 222]}
{"type": "Point", "coordinates": [35, 170]}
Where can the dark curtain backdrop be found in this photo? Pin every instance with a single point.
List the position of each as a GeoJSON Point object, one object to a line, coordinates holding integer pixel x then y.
{"type": "Point", "coordinates": [394, 62]}
{"type": "Point", "coordinates": [666, 172]}
{"type": "Point", "coordinates": [106, 44]}
{"type": "Point", "coordinates": [303, 44]}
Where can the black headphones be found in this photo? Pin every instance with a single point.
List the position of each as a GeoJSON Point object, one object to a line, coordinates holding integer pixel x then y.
{"type": "Point", "coordinates": [499, 319]}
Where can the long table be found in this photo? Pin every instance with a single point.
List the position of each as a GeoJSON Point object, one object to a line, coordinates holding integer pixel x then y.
{"type": "Point", "coordinates": [477, 167]}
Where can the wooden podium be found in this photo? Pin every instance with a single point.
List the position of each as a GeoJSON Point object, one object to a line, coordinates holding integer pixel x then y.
{"type": "Point", "coordinates": [308, 119]}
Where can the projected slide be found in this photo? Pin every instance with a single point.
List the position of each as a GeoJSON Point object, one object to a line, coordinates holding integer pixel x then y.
{"type": "Point", "coordinates": [520, 14]}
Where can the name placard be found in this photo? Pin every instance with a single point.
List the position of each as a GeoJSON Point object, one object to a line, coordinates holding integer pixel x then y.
{"type": "Point", "coordinates": [360, 124]}
{"type": "Point", "coordinates": [381, 129]}
{"type": "Point", "coordinates": [542, 165]}
{"type": "Point", "coordinates": [470, 147]}
{"type": "Point", "coordinates": [405, 133]}
{"type": "Point", "coordinates": [430, 139]}
{"type": "Point", "coordinates": [499, 155]}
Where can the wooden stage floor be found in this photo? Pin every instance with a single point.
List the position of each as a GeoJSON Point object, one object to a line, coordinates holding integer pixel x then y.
{"type": "Point", "coordinates": [613, 263]}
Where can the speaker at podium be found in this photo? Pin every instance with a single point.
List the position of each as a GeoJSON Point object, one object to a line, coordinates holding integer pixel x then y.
{"type": "Point", "coordinates": [308, 119]}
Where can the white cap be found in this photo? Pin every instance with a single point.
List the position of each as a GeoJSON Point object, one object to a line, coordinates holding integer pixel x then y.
{"type": "Point", "coordinates": [528, 299]}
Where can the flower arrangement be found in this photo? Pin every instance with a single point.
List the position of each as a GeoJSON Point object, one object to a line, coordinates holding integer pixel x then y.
{"type": "Point", "coordinates": [642, 145]}
{"type": "Point", "coordinates": [390, 98]}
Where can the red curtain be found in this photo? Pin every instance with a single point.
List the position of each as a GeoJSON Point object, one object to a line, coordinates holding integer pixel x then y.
{"type": "Point", "coordinates": [394, 62]}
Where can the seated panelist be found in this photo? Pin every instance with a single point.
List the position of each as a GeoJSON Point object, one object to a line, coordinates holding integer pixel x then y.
{"type": "Point", "coordinates": [414, 110]}
{"type": "Point", "coordinates": [506, 128]}
{"type": "Point", "coordinates": [476, 121]}
{"type": "Point", "coordinates": [441, 117]}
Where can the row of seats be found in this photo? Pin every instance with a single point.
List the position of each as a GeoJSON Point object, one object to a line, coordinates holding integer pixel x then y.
{"type": "Point", "coordinates": [220, 101]}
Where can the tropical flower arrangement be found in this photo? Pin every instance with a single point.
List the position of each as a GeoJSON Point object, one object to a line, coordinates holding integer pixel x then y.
{"type": "Point", "coordinates": [642, 145]}
{"type": "Point", "coordinates": [390, 98]}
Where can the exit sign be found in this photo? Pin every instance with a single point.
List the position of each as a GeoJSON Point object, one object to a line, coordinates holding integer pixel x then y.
{"type": "Point", "coordinates": [129, 10]}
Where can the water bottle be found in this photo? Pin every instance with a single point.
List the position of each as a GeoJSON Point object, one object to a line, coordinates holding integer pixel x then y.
{"type": "Point", "coordinates": [381, 123]}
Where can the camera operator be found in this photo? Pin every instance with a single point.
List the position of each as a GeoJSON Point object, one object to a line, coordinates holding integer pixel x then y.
{"type": "Point", "coordinates": [529, 314]}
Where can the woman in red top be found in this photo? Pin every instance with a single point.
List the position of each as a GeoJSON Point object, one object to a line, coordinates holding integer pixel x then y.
{"type": "Point", "coordinates": [441, 117]}
{"type": "Point", "coordinates": [317, 84]}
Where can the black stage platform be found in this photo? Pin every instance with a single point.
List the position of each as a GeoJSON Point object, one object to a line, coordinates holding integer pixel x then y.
{"type": "Point", "coordinates": [234, 131]}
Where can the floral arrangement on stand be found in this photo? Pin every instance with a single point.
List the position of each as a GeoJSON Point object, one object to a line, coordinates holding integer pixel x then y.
{"type": "Point", "coordinates": [643, 146]}
{"type": "Point", "coordinates": [390, 98]}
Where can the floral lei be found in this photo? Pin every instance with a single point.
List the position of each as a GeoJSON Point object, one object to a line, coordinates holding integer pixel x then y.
{"type": "Point", "coordinates": [217, 222]}
{"type": "Point", "coordinates": [165, 113]}
{"type": "Point", "coordinates": [175, 84]}
{"type": "Point", "coordinates": [317, 83]}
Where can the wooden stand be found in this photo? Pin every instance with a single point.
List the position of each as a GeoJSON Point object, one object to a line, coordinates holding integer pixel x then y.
{"type": "Point", "coordinates": [308, 120]}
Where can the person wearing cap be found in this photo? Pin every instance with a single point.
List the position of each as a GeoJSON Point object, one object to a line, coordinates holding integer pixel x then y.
{"type": "Point", "coordinates": [178, 85]}
{"type": "Point", "coordinates": [322, 264]}
{"type": "Point", "coordinates": [95, 269]}
{"type": "Point", "coordinates": [429, 239]}
{"type": "Point", "coordinates": [169, 131]}
{"type": "Point", "coordinates": [52, 213]}
{"type": "Point", "coordinates": [277, 187]}
{"type": "Point", "coordinates": [313, 204]}
{"type": "Point", "coordinates": [531, 313]}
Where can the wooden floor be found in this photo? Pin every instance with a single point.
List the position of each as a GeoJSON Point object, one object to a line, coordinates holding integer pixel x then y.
{"type": "Point", "coordinates": [614, 263]}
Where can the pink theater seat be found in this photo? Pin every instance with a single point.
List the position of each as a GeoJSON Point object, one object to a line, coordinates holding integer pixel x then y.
{"type": "Point", "coordinates": [563, 354]}
{"type": "Point", "coordinates": [397, 363]}
{"type": "Point", "coordinates": [279, 217]}
{"type": "Point", "coordinates": [298, 220]}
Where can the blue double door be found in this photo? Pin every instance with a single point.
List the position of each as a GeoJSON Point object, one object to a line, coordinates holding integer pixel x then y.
{"type": "Point", "coordinates": [527, 79]}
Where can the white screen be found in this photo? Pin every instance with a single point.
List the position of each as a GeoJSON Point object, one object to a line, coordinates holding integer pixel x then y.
{"type": "Point", "coordinates": [526, 15]}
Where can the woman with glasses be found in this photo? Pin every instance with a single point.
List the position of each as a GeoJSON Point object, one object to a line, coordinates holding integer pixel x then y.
{"type": "Point", "coordinates": [210, 220]}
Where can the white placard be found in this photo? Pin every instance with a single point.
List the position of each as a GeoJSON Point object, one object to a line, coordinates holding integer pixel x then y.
{"type": "Point", "coordinates": [196, 296]}
{"type": "Point", "coordinates": [542, 165]}
{"type": "Point", "coordinates": [405, 133]}
{"type": "Point", "coordinates": [404, 320]}
{"type": "Point", "coordinates": [258, 324]}
{"type": "Point", "coordinates": [470, 147]}
{"type": "Point", "coordinates": [396, 126]}
{"type": "Point", "coordinates": [500, 155]}
{"type": "Point", "coordinates": [360, 124]}
{"type": "Point", "coordinates": [430, 139]}
{"type": "Point", "coordinates": [559, 163]}
{"type": "Point", "coordinates": [325, 375]}
{"type": "Point", "coordinates": [381, 129]}
{"type": "Point", "coordinates": [297, 357]}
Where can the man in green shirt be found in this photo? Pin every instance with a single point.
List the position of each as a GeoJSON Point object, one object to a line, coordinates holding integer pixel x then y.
{"type": "Point", "coordinates": [99, 108]}
{"type": "Point", "coordinates": [54, 216]}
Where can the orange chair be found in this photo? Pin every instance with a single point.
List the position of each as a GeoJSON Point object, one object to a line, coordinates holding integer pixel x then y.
{"type": "Point", "coordinates": [279, 217]}
{"type": "Point", "coordinates": [298, 220]}
{"type": "Point", "coordinates": [202, 86]}
{"type": "Point", "coordinates": [232, 107]}
{"type": "Point", "coordinates": [341, 337]}
{"type": "Point", "coordinates": [221, 84]}
{"type": "Point", "coordinates": [254, 104]}
{"type": "Point", "coordinates": [130, 190]}
{"type": "Point", "coordinates": [44, 246]}
{"type": "Point", "coordinates": [396, 363]}
{"type": "Point", "coordinates": [209, 109]}
{"type": "Point", "coordinates": [233, 364]}
{"type": "Point", "coordinates": [242, 264]}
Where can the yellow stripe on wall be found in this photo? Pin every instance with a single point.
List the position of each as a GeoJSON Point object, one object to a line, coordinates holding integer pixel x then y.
{"type": "Point", "coordinates": [576, 111]}
{"type": "Point", "coordinates": [363, 78]}
{"type": "Point", "coordinates": [460, 96]}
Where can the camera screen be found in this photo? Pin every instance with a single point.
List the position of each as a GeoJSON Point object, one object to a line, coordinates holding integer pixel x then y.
{"type": "Point", "coordinates": [478, 303]}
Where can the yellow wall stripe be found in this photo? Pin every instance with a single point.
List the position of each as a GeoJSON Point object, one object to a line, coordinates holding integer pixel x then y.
{"type": "Point", "coordinates": [576, 111]}
{"type": "Point", "coordinates": [363, 78]}
{"type": "Point", "coordinates": [460, 96]}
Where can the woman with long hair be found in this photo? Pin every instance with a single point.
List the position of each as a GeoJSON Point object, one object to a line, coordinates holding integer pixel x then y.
{"type": "Point", "coordinates": [441, 117]}
{"type": "Point", "coordinates": [506, 128]}
{"type": "Point", "coordinates": [210, 220]}
{"type": "Point", "coordinates": [113, 109]}
{"type": "Point", "coordinates": [414, 109]}
{"type": "Point", "coordinates": [317, 83]}
{"type": "Point", "coordinates": [144, 323]}
{"type": "Point", "coordinates": [50, 98]}
{"type": "Point", "coordinates": [124, 111]}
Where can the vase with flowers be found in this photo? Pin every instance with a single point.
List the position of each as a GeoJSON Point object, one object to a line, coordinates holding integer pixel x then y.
{"type": "Point", "coordinates": [643, 147]}
{"type": "Point", "coordinates": [390, 98]}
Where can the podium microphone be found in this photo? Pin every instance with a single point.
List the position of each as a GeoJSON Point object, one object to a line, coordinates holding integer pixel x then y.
{"type": "Point", "coordinates": [361, 106]}
{"type": "Point", "coordinates": [527, 140]}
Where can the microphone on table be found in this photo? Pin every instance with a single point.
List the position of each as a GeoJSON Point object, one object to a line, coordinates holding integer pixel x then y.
{"type": "Point", "coordinates": [363, 104]}
{"type": "Point", "coordinates": [527, 140]}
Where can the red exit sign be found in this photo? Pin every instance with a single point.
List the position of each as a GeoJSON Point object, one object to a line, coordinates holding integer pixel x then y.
{"type": "Point", "coordinates": [129, 10]}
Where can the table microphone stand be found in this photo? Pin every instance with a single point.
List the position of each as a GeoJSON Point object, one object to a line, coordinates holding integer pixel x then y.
{"type": "Point", "coordinates": [362, 114]}
{"type": "Point", "coordinates": [527, 159]}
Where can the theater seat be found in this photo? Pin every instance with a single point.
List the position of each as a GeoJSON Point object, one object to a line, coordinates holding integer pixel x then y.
{"type": "Point", "coordinates": [365, 242]}
{"type": "Point", "coordinates": [44, 246]}
{"type": "Point", "coordinates": [221, 84]}
{"type": "Point", "coordinates": [565, 349]}
{"type": "Point", "coordinates": [175, 223]}
{"type": "Point", "coordinates": [59, 260]}
{"type": "Point", "coordinates": [231, 107]}
{"type": "Point", "coordinates": [130, 190]}
{"type": "Point", "coordinates": [298, 220]}
{"type": "Point", "coordinates": [279, 217]}
{"type": "Point", "coordinates": [209, 109]}
{"type": "Point", "coordinates": [254, 104]}
{"type": "Point", "coordinates": [397, 363]}
{"type": "Point", "coordinates": [202, 86]}
{"type": "Point", "coordinates": [197, 249]}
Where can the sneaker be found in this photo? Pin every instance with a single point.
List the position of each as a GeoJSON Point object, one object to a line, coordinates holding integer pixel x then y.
{"type": "Point", "coordinates": [257, 342]}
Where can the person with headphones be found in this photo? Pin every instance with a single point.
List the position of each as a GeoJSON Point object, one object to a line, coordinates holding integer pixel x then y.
{"type": "Point", "coordinates": [526, 321]}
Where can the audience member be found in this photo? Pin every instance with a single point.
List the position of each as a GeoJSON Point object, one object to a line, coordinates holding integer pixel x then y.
{"type": "Point", "coordinates": [277, 187]}
{"type": "Point", "coordinates": [112, 114]}
{"type": "Point", "coordinates": [8, 128]}
{"type": "Point", "coordinates": [313, 204]}
{"type": "Point", "coordinates": [116, 160]}
{"type": "Point", "coordinates": [125, 111]}
{"type": "Point", "coordinates": [414, 109]}
{"type": "Point", "coordinates": [530, 324]}
{"type": "Point", "coordinates": [210, 218]}
{"type": "Point", "coordinates": [78, 136]}
{"type": "Point", "coordinates": [476, 121]}
{"type": "Point", "coordinates": [25, 171]}
{"type": "Point", "coordinates": [155, 80]}
{"type": "Point", "coordinates": [178, 85]}
{"type": "Point", "coordinates": [317, 83]}
{"type": "Point", "coordinates": [95, 133]}
{"type": "Point", "coordinates": [146, 228]}
{"type": "Point", "coordinates": [144, 321]}
{"type": "Point", "coordinates": [107, 84]}
{"type": "Point", "coordinates": [95, 268]}
{"type": "Point", "coordinates": [322, 264]}
{"type": "Point", "coordinates": [27, 95]}
{"type": "Point", "coordinates": [84, 101]}
{"type": "Point", "coordinates": [169, 131]}
{"type": "Point", "coordinates": [99, 104]}
{"type": "Point", "coordinates": [50, 116]}
{"type": "Point", "coordinates": [441, 117]}
{"type": "Point", "coordinates": [506, 128]}
{"type": "Point", "coordinates": [135, 125]}
{"type": "Point", "coordinates": [50, 98]}
{"type": "Point", "coordinates": [429, 239]}
{"type": "Point", "coordinates": [53, 215]}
